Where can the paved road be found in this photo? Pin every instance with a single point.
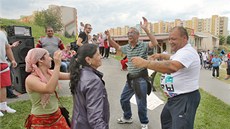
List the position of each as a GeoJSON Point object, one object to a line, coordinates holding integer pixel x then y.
{"type": "Point", "coordinates": [215, 87]}
{"type": "Point", "coordinates": [115, 79]}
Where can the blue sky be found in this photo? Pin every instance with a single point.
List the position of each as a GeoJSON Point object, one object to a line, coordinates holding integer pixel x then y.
{"type": "Point", "coordinates": [105, 14]}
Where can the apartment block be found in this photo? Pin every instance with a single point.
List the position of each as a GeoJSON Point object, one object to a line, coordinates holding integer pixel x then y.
{"type": "Point", "coordinates": [216, 25]}
{"type": "Point", "coordinates": [207, 25]}
{"type": "Point", "coordinates": [68, 17]}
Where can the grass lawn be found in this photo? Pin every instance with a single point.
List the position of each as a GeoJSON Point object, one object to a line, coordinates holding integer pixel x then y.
{"type": "Point", "coordinates": [16, 121]}
{"type": "Point", "coordinates": [212, 113]}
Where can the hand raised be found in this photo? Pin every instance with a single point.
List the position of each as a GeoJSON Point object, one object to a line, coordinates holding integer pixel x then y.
{"type": "Point", "coordinates": [57, 57]}
{"type": "Point", "coordinates": [144, 25]}
{"type": "Point", "coordinates": [107, 33]}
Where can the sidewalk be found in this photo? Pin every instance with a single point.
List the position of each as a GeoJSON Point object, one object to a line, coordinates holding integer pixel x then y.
{"type": "Point", "coordinates": [215, 87]}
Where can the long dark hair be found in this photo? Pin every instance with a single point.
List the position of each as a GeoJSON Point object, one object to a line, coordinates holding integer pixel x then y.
{"type": "Point", "coordinates": [78, 62]}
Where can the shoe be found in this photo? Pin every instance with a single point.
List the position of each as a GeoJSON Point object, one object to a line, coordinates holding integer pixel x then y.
{"type": "Point", "coordinates": [122, 120]}
{"type": "Point", "coordinates": [217, 77]}
{"type": "Point", "coordinates": [144, 126]}
{"type": "Point", "coordinates": [7, 109]}
{"type": "Point", "coordinates": [1, 114]}
{"type": "Point", "coordinates": [12, 96]}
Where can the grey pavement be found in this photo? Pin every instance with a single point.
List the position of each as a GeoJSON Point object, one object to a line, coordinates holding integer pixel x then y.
{"type": "Point", "coordinates": [215, 87]}
{"type": "Point", "coordinates": [115, 79]}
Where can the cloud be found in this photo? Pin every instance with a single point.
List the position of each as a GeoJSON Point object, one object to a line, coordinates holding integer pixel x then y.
{"type": "Point", "coordinates": [105, 14]}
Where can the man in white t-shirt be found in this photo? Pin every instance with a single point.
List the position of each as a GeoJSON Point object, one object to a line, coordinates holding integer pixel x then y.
{"type": "Point", "coordinates": [5, 80]}
{"type": "Point", "coordinates": [179, 80]}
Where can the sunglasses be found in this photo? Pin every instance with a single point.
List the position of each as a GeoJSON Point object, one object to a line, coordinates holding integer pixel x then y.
{"type": "Point", "coordinates": [131, 33]}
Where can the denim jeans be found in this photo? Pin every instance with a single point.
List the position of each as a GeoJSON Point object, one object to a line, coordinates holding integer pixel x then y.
{"type": "Point", "coordinates": [64, 66]}
{"type": "Point", "coordinates": [126, 95]}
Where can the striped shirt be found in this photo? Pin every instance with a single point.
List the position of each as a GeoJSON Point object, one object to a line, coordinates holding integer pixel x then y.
{"type": "Point", "coordinates": [140, 50]}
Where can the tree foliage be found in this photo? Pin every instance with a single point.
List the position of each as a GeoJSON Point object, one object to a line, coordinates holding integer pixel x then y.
{"type": "Point", "coordinates": [228, 39]}
{"type": "Point", "coordinates": [48, 18]}
{"type": "Point", "coordinates": [221, 39]}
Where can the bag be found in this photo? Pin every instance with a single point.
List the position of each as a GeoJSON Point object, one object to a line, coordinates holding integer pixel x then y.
{"type": "Point", "coordinates": [65, 113]}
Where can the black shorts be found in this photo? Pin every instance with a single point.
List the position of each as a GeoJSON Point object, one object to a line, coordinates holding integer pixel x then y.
{"type": "Point", "coordinates": [228, 71]}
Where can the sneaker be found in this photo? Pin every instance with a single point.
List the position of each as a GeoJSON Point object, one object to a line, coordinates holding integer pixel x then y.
{"type": "Point", "coordinates": [217, 77]}
{"type": "Point", "coordinates": [8, 109]}
{"type": "Point", "coordinates": [1, 114]}
{"type": "Point", "coordinates": [144, 126]}
{"type": "Point", "coordinates": [122, 120]}
{"type": "Point", "coordinates": [12, 96]}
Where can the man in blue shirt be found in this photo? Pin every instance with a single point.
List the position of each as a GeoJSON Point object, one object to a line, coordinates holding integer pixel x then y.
{"type": "Point", "coordinates": [216, 61]}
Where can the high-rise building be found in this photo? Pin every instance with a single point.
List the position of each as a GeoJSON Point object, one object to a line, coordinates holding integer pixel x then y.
{"type": "Point", "coordinates": [207, 25]}
{"type": "Point", "coordinates": [216, 25]}
{"type": "Point", "coordinates": [223, 25]}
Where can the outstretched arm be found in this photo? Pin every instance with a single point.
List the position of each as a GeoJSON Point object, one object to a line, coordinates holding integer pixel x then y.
{"type": "Point", "coordinates": [168, 66]}
{"type": "Point", "coordinates": [152, 38]}
{"type": "Point", "coordinates": [112, 42]}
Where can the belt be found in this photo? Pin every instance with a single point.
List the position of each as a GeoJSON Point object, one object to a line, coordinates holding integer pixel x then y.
{"type": "Point", "coordinates": [5, 70]}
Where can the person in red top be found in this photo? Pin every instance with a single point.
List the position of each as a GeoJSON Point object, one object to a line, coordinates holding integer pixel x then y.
{"type": "Point", "coordinates": [228, 55]}
{"type": "Point", "coordinates": [123, 63]}
{"type": "Point", "coordinates": [106, 48]}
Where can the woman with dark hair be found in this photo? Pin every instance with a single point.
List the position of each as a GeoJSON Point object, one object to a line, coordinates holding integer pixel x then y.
{"type": "Point", "coordinates": [41, 85]}
{"type": "Point", "coordinates": [91, 106]}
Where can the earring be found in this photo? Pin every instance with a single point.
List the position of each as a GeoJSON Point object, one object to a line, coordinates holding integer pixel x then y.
{"type": "Point", "coordinates": [90, 63]}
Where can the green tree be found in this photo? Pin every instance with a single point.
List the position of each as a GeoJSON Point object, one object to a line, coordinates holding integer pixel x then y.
{"type": "Point", "coordinates": [228, 39]}
{"type": "Point", "coordinates": [48, 18]}
{"type": "Point", "coordinates": [221, 39]}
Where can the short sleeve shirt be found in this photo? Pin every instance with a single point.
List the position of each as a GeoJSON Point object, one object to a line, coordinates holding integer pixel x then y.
{"type": "Point", "coordinates": [186, 79]}
{"type": "Point", "coordinates": [50, 44]}
{"type": "Point", "coordinates": [3, 43]}
{"type": "Point", "coordinates": [84, 37]}
{"type": "Point", "coordinates": [140, 50]}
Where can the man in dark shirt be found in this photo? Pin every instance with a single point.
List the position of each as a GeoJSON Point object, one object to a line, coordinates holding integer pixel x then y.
{"type": "Point", "coordinates": [84, 36]}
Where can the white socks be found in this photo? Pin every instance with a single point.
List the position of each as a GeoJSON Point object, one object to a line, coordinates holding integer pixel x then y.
{"type": "Point", "coordinates": [1, 114]}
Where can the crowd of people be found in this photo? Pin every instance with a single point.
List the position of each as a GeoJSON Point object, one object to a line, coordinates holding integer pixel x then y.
{"type": "Point", "coordinates": [212, 60]}
{"type": "Point", "coordinates": [51, 61]}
